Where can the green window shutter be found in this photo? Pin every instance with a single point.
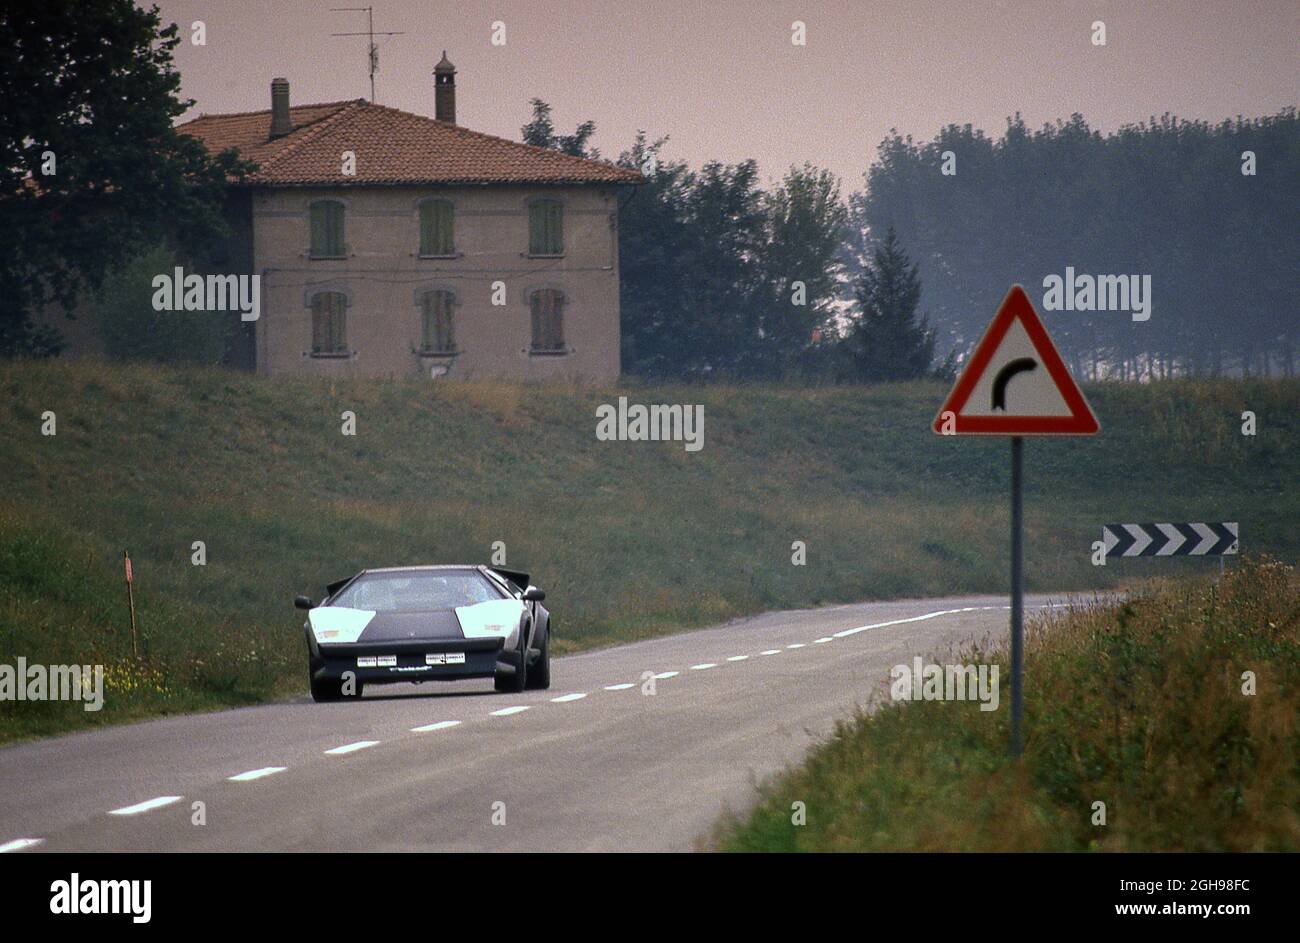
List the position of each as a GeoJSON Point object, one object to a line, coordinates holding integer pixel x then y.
{"type": "Point", "coordinates": [555, 233]}
{"type": "Point", "coordinates": [446, 241]}
{"type": "Point", "coordinates": [318, 338]}
{"type": "Point", "coordinates": [335, 216]}
{"type": "Point", "coordinates": [536, 229]}
{"type": "Point", "coordinates": [547, 309]}
{"type": "Point", "coordinates": [446, 339]}
{"type": "Point", "coordinates": [329, 323]}
{"type": "Point", "coordinates": [436, 321]}
{"type": "Point", "coordinates": [545, 228]}
{"type": "Point", "coordinates": [326, 229]}
{"type": "Point", "coordinates": [338, 324]}
{"type": "Point", "coordinates": [426, 229]}
{"type": "Point", "coordinates": [317, 230]}
{"type": "Point", "coordinates": [437, 235]}
{"type": "Point", "coordinates": [556, 325]}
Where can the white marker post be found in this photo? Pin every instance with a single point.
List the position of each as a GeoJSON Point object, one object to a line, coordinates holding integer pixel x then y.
{"type": "Point", "coordinates": [1016, 384]}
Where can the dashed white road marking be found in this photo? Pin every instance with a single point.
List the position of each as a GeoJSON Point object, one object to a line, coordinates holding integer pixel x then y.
{"type": "Point", "coordinates": [666, 674]}
{"type": "Point", "coordinates": [705, 664]}
{"type": "Point", "coordinates": [618, 687]}
{"type": "Point", "coordinates": [18, 844]}
{"type": "Point", "coordinates": [440, 725]}
{"type": "Point", "coordinates": [257, 774]}
{"type": "Point", "coordinates": [771, 651]}
{"type": "Point", "coordinates": [823, 639]}
{"type": "Point", "coordinates": [738, 658]}
{"type": "Point", "coordinates": [146, 806]}
{"type": "Point", "coordinates": [507, 711]}
{"type": "Point", "coordinates": [351, 747]}
{"type": "Point", "coordinates": [797, 645]}
{"type": "Point", "coordinates": [565, 698]}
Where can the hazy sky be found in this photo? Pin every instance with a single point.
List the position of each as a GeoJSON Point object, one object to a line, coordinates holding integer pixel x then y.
{"type": "Point", "coordinates": [724, 81]}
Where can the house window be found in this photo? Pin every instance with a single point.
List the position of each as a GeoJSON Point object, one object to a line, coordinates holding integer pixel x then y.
{"type": "Point", "coordinates": [437, 335]}
{"type": "Point", "coordinates": [327, 230]}
{"type": "Point", "coordinates": [545, 228]}
{"type": "Point", "coordinates": [547, 306]}
{"type": "Point", "coordinates": [436, 233]}
{"type": "Point", "coordinates": [329, 324]}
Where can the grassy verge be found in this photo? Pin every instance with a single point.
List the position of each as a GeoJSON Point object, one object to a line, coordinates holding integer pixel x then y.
{"type": "Point", "coordinates": [630, 539]}
{"type": "Point", "coordinates": [1138, 706]}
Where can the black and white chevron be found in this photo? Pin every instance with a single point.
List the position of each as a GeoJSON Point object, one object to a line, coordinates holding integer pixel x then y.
{"type": "Point", "coordinates": [1169, 540]}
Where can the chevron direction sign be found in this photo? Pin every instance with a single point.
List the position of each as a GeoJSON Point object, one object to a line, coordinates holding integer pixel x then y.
{"type": "Point", "coordinates": [1169, 540]}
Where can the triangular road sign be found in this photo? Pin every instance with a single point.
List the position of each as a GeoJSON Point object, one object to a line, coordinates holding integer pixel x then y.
{"type": "Point", "coordinates": [1015, 382]}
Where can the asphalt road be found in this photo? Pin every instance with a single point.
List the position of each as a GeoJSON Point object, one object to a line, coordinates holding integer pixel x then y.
{"type": "Point", "coordinates": [594, 764]}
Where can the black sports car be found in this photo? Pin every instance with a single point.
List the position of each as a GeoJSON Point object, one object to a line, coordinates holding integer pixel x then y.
{"type": "Point", "coordinates": [423, 623]}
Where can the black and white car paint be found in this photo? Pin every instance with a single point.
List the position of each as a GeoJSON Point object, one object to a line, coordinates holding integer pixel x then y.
{"type": "Point", "coordinates": [427, 623]}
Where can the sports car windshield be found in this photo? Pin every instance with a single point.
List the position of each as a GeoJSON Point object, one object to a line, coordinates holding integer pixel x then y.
{"type": "Point", "coordinates": [417, 592]}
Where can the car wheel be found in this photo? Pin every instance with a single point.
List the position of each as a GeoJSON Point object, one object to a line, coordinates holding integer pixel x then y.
{"type": "Point", "coordinates": [539, 675]}
{"type": "Point", "coordinates": [516, 681]}
{"type": "Point", "coordinates": [325, 691]}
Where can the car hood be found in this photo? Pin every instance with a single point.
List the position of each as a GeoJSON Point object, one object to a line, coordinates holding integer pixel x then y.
{"type": "Point", "coordinates": [339, 625]}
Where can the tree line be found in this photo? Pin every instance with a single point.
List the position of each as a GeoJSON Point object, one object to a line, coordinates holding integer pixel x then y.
{"type": "Point", "coordinates": [713, 263]}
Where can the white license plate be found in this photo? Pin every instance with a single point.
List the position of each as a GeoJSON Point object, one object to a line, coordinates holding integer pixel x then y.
{"type": "Point", "coordinates": [386, 661]}
{"type": "Point", "coordinates": [445, 658]}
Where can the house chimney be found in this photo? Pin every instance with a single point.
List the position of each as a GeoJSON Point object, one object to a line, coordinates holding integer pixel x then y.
{"type": "Point", "coordinates": [444, 90]}
{"type": "Point", "coordinates": [280, 124]}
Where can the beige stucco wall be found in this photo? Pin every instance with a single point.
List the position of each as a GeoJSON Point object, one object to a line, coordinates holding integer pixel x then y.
{"type": "Point", "coordinates": [383, 272]}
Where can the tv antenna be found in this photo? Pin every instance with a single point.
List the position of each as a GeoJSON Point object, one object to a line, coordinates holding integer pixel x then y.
{"type": "Point", "coordinates": [370, 34]}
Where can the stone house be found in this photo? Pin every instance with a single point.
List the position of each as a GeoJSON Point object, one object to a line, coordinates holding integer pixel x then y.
{"type": "Point", "coordinates": [394, 244]}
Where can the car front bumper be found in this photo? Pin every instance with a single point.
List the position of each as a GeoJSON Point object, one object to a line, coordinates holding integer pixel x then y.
{"type": "Point", "coordinates": [413, 660]}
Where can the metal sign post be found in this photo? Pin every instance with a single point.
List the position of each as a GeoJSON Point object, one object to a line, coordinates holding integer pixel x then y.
{"type": "Point", "coordinates": [1016, 384]}
{"type": "Point", "coordinates": [1017, 595]}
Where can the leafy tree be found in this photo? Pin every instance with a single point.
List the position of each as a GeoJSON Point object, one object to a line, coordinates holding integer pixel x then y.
{"type": "Point", "coordinates": [693, 291]}
{"type": "Point", "coordinates": [886, 342]}
{"type": "Point", "coordinates": [801, 261]}
{"type": "Point", "coordinates": [91, 169]}
{"type": "Point", "coordinates": [133, 330]}
{"type": "Point", "coordinates": [540, 132]}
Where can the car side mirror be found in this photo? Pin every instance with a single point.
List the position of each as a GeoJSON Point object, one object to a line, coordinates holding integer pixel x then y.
{"type": "Point", "coordinates": [534, 594]}
{"type": "Point", "coordinates": [302, 602]}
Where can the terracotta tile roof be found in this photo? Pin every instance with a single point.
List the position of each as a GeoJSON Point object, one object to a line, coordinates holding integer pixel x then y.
{"type": "Point", "coordinates": [392, 147]}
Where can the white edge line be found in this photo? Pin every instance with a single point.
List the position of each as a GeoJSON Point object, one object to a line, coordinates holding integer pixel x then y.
{"type": "Point", "coordinates": [256, 774]}
{"type": "Point", "coordinates": [929, 615]}
{"type": "Point", "coordinates": [18, 844]}
{"type": "Point", "coordinates": [351, 747]}
{"type": "Point", "coordinates": [146, 805]}
{"type": "Point", "coordinates": [440, 725]}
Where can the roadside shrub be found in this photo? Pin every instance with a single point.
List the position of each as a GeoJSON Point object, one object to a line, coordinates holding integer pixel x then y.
{"type": "Point", "coordinates": [133, 330]}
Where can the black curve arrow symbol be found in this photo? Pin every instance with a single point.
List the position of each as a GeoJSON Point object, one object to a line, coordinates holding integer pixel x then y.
{"type": "Point", "coordinates": [1019, 365]}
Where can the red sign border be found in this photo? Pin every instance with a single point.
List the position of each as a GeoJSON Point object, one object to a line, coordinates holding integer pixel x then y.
{"type": "Point", "coordinates": [1017, 306]}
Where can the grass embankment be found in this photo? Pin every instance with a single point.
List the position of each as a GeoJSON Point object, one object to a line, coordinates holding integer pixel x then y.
{"type": "Point", "coordinates": [629, 539]}
{"type": "Point", "coordinates": [1139, 706]}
